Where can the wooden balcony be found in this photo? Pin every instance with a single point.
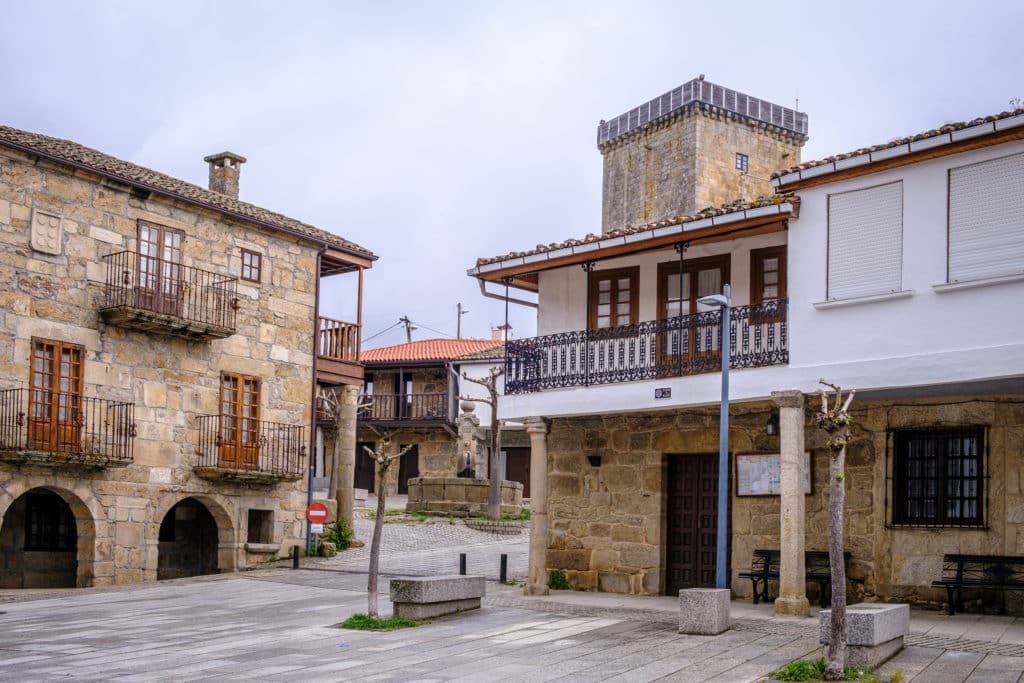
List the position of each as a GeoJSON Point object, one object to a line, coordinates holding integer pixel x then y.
{"type": "Point", "coordinates": [337, 352]}
{"type": "Point", "coordinates": [248, 450]}
{"type": "Point", "coordinates": [406, 409]}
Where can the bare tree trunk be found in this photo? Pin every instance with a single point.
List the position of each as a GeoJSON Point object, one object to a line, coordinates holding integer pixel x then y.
{"type": "Point", "coordinates": [836, 501]}
{"type": "Point", "coordinates": [378, 527]}
{"type": "Point", "coordinates": [494, 470]}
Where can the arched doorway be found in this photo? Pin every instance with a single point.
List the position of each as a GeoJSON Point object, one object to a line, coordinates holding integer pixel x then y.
{"type": "Point", "coordinates": [188, 541]}
{"type": "Point", "coordinates": [39, 542]}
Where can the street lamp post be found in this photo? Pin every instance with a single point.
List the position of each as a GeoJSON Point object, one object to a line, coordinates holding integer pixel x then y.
{"type": "Point", "coordinates": [725, 302]}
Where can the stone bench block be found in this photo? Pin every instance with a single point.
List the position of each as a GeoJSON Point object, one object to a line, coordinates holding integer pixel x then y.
{"type": "Point", "coordinates": [434, 596]}
{"type": "Point", "coordinates": [874, 631]}
{"type": "Point", "coordinates": [704, 611]}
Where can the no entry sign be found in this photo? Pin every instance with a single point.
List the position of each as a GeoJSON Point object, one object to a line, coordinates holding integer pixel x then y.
{"type": "Point", "coordinates": [316, 513]}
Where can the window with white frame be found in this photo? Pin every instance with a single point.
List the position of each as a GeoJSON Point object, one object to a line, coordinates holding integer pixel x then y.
{"type": "Point", "coordinates": [865, 242]}
{"type": "Point", "coordinates": [986, 219]}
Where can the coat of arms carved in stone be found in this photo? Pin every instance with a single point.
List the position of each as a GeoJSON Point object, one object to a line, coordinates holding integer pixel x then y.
{"type": "Point", "coordinates": [46, 232]}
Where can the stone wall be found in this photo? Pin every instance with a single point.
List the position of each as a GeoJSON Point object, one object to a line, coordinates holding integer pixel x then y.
{"type": "Point", "coordinates": [687, 162]}
{"type": "Point", "coordinates": [607, 523]}
{"type": "Point", "coordinates": [461, 497]}
{"type": "Point", "coordinates": [170, 380]}
{"type": "Point", "coordinates": [438, 456]}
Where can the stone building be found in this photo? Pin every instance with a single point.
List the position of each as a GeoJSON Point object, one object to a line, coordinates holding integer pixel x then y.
{"type": "Point", "coordinates": [697, 146]}
{"type": "Point", "coordinates": [157, 368]}
{"type": "Point", "coordinates": [890, 270]}
{"type": "Point", "coordinates": [411, 394]}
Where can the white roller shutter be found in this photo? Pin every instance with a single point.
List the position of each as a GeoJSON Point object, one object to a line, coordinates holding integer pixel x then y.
{"type": "Point", "coordinates": [865, 241]}
{"type": "Point", "coordinates": [986, 219]}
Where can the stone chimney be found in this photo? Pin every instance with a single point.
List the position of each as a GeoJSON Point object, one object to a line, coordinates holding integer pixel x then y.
{"type": "Point", "coordinates": [501, 333]}
{"type": "Point", "coordinates": [224, 170]}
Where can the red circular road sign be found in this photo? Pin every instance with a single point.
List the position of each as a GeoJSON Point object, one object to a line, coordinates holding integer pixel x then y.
{"type": "Point", "coordinates": [316, 513]}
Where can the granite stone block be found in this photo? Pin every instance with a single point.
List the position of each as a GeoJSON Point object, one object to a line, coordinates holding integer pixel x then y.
{"type": "Point", "coordinates": [412, 610]}
{"type": "Point", "coordinates": [869, 623]}
{"type": "Point", "coordinates": [704, 611]}
{"type": "Point", "coordinates": [430, 589]}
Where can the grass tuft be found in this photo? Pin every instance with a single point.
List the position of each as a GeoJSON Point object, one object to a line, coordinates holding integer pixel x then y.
{"type": "Point", "coordinates": [363, 622]}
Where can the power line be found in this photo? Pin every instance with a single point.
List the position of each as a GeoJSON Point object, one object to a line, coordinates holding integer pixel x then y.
{"type": "Point", "coordinates": [366, 339]}
{"type": "Point", "coordinates": [445, 334]}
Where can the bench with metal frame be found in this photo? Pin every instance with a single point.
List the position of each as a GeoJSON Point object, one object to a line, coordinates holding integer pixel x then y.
{"type": "Point", "coordinates": [764, 567]}
{"type": "Point", "coordinates": [984, 572]}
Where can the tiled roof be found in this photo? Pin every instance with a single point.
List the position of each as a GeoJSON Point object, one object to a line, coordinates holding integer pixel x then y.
{"type": "Point", "coordinates": [493, 353]}
{"type": "Point", "coordinates": [427, 350]}
{"type": "Point", "coordinates": [934, 133]}
{"type": "Point", "coordinates": [132, 174]}
{"type": "Point", "coordinates": [724, 210]}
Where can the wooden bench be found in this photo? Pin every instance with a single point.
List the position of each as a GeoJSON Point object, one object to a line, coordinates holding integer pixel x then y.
{"type": "Point", "coordinates": [764, 567]}
{"type": "Point", "coordinates": [986, 572]}
{"type": "Point", "coordinates": [432, 596]}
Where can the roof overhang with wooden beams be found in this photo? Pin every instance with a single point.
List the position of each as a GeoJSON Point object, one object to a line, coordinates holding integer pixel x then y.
{"type": "Point", "coordinates": [521, 270]}
{"type": "Point", "coordinates": [951, 139]}
{"type": "Point", "coordinates": [336, 262]}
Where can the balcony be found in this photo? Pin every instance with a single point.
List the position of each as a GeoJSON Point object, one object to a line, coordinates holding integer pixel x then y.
{"type": "Point", "coordinates": [337, 351]}
{"type": "Point", "coordinates": [675, 347]}
{"type": "Point", "coordinates": [405, 409]}
{"type": "Point", "coordinates": [57, 429]}
{"type": "Point", "coordinates": [150, 294]}
{"type": "Point", "coordinates": [248, 450]}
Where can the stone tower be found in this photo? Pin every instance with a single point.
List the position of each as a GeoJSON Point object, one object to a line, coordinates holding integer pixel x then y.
{"type": "Point", "coordinates": [697, 146]}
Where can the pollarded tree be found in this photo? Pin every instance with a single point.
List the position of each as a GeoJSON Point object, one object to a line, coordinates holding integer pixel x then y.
{"type": "Point", "coordinates": [835, 422]}
{"type": "Point", "coordinates": [382, 462]}
{"type": "Point", "coordinates": [490, 383]}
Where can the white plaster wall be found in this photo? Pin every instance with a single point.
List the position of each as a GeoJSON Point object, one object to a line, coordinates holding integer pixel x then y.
{"type": "Point", "coordinates": [479, 370]}
{"type": "Point", "coordinates": [925, 339]}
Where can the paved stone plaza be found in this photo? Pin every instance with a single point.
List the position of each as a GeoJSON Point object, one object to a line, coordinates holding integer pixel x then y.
{"type": "Point", "coordinates": [279, 624]}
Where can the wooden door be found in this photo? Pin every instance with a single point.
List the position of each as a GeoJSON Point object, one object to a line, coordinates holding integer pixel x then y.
{"type": "Point", "coordinates": [767, 274]}
{"type": "Point", "coordinates": [614, 298]}
{"type": "Point", "coordinates": [677, 296]}
{"type": "Point", "coordinates": [517, 467]}
{"type": "Point", "coordinates": [364, 473]}
{"type": "Point", "coordinates": [692, 522]}
{"type": "Point", "coordinates": [159, 278]}
{"type": "Point", "coordinates": [408, 468]}
{"type": "Point", "coordinates": [240, 422]}
{"type": "Point", "coordinates": [55, 397]}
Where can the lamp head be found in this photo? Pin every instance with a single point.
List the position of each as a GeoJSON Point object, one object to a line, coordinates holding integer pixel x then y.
{"type": "Point", "coordinates": [713, 300]}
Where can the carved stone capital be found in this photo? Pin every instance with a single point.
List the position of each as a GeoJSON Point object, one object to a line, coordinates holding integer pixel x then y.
{"type": "Point", "coordinates": [790, 398]}
{"type": "Point", "coordinates": [536, 426]}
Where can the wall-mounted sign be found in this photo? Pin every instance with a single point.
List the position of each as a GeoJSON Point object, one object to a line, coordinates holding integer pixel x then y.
{"type": "Point", "coordinates": [760, 474]}
{"type": "Point", "coordinates": [663, 392]}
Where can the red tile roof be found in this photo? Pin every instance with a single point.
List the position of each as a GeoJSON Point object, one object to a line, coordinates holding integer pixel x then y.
{"type": "Point", "coordinates": [948, 128]}
{"type": "Point", "coordinates": [428, 350]}
{"type": "Point", "coordinates": [726, 209]}
{"type": "Point", "coordinates": [75, 154]}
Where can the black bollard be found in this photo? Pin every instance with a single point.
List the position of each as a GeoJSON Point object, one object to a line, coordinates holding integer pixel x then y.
{"type": "Point", "coordinates": [462, 564]}
{"type": "Point", "coordinates": [295, 557]}
{"type": "Point", "coordinates": [503, 574]}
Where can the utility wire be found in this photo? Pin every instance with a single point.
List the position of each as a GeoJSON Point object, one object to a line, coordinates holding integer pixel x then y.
{"type": "Point", "coordinates": [433, 330]}
{"type": "Point", "coordinates": [366, 339]}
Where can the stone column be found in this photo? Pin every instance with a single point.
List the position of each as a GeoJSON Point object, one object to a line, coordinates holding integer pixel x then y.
{"type": "Point", "coordinates": [345, 440]}
{"type": "Point", "coordinates": [792, 598]}
{"type": "Point", "coordinates": [469, 427]}
{"type": "Point", "coordinates": [537, 577]}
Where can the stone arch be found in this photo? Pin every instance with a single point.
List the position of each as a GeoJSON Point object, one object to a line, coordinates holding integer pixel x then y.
{"type": "Point", "coordinates": [45, 570]}
{"type": "Point", "coordinates": [220, 524]}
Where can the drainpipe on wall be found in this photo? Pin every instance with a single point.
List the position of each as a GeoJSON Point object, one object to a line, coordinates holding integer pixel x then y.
{"type": "Point", "coordinates": [312, 402]}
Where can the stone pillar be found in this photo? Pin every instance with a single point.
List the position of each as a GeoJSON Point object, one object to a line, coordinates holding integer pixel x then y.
{"type": "Point", "coordinates": [792, 598]}
{"type": "Point", "coordinates": [345, 440]}
{"type": "Point", "coordinates": [537, 576]}
{"type": "Point", "coordinates": [469, 446]}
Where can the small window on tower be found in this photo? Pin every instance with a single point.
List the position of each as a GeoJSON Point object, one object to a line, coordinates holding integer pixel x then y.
{"type": "Point", "coordinates": [742, 162]}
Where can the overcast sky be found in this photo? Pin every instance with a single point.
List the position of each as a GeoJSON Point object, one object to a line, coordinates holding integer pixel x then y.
{"type": "Point", "coordinates": [433, 133]}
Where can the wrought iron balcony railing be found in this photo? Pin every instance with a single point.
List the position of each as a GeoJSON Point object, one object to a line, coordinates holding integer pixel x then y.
{"type": "Point", "coordinates": [685, 345]}
{"type": "Point", "coordinates": [57, 428]}
{"type": "Point", "coordinates": [337, 339]}
{"type": "Point", "coordinates": [234, 447]}
{"type": "Point", "coordinates": [145, 292]}
{"type": "Point", "coordinates": [405, 407]}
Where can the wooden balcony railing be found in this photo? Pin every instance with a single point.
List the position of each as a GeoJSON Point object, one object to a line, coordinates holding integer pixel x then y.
{"type": "Point", "coordinates": [686, 345]}
{"type": "Point", "coordinates": [147, 293]}
{"type": "Point", "coordinates": [405, 407]}
{"type": "Point", "coordinates": [246, 448]}
{"type": "Point", "coordinates": [337, 340]}
{"type": "Point", "coordinates": [56, 428]}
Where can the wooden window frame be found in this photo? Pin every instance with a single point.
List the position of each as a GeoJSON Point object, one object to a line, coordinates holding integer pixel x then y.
{"type": "Point", "coordinates": [757, 258]}
{"type": "Point", "coordinates": [234, 451]}
{"type": "Point", "coordinates": [901, 477]}
{"type": "Point", "coordinates": [254, 267]}
{"type": "Point", "coordinates": [668, 269]}
{"type": "Point", "coordinates": [58, 429]}
{"type": "Point", "coordinates": [631, 272]}
{"type": "Point", "coordinates": [166, 295]}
